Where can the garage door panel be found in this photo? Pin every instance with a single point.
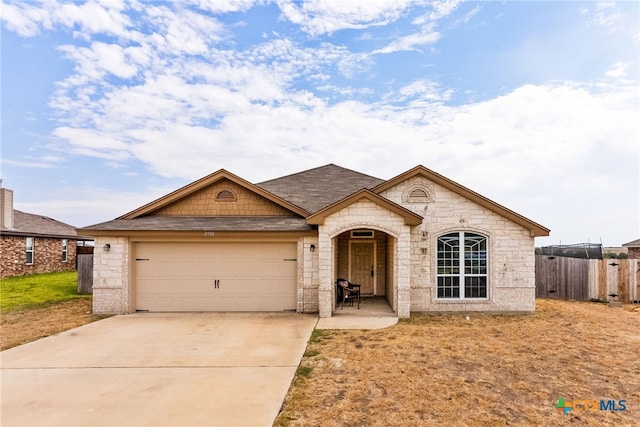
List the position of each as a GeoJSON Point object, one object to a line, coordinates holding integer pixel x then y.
{"type": "Point", "coordinates": [181, 276]}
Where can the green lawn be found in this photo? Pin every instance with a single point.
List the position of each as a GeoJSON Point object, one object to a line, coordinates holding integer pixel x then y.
{"type": "Point", "coordinates": [38, 290]}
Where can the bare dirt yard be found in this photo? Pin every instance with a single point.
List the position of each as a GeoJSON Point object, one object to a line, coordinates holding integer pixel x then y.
{"type": "Point", "coordinates": [489, 370]}
{"type": "Point", "coordinates": [19, 327]}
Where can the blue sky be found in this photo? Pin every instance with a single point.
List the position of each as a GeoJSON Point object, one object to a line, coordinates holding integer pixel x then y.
{"type": "Point", "coordinates": [108, 105]}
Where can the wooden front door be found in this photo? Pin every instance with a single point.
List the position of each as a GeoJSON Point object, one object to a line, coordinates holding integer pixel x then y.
{"type": "Point", "coordinates": [362, 265]}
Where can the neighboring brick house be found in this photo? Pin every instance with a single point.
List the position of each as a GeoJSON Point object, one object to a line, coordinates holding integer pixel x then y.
{"type": "Point", "coordinates": [221, 243]}
{"type": "Point", "coordinates": [633, 249]}
{"type": "Point", "coordinates": [33, 243]}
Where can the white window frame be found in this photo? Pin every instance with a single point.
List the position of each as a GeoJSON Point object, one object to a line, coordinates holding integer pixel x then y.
{"type": "Point", "coordinates": [65, 250]}
{"type": "Point", "coordinates": [30, 250]}
{"type": "Point", "coordinates": [462, 267]}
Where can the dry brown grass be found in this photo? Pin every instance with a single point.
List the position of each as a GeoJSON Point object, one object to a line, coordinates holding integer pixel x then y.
{"type": "Point", "coordinates": [491, 370]}
{"type": "Point", "coordinates": [20, 327]}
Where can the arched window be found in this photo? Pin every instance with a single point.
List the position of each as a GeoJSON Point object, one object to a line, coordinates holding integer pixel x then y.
{"type": "Point", "coordinates": [462, 266]}
{"type": "Point", "coordinates": [225, 196]}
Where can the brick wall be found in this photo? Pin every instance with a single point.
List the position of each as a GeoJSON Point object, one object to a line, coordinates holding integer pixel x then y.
{"type": "Point", "coordinates": [47, 256]}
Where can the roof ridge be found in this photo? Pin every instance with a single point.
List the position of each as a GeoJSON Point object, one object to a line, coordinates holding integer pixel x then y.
{"type": "Point", "coordinates": [315, 169]}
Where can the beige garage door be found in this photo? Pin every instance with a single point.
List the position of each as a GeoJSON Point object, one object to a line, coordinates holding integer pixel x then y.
{"type": "Point", "coordinates": [215, 276]}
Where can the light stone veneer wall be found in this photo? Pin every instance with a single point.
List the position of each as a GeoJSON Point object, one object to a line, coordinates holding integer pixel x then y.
{"type": "Point", "coordinates": [364, 214]}
{"type": "Point", "coordinates": [111, 276]}
{"type": "Point", "coordinates": [412, 251]}
{"type": "Point", "coordinates": [308, 277]}
{"type": "Point", "coordinates": [511, 250]}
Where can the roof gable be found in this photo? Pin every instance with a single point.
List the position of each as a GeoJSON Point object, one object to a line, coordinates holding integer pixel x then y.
{"type": "Point", "coordinates": [632, 244]}
{"type": "Point", "coordinates": [410, 218]}
{"type": "Point", "coordinates": [181, 202]}
{"type": "Point", "coordinates": [315, 189]}
{"type": "Point", "coordinates": [535, 229]}
{"type": "Point", "coordinates": [224, 198]}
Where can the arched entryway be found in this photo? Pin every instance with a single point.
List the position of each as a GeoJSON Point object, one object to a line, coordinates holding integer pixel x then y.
{"type": "Point", "coordinates": [365, 211]}
{"type": "Point", "coordinates": [365, 256]}
{"type": "Point", "coordinates": [362, 256]}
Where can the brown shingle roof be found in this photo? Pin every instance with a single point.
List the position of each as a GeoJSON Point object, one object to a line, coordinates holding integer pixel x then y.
{"type": "Point", "coordinates": [32, 224]}
{"type": "Point", "coordinates": [315, 189]}
{"type": "Point", "coordinates": [191, 223]}
{"type": "Point", "coordinates": [304, 193]}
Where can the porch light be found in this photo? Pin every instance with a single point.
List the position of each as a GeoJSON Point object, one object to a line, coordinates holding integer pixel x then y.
{"type": "Point", "coordinates": [106, 247]}
{"type": "Point", "coordinates": [312, 248]}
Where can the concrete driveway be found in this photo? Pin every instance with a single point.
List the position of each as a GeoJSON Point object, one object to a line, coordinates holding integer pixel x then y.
{"type": "Point", "coordinates": [156, 369]}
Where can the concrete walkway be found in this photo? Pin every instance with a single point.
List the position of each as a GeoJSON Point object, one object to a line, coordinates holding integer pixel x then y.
{"type": "Point", "coordinates": [374, 313]}
{"type": "Point", "coordinates": [153, 369]}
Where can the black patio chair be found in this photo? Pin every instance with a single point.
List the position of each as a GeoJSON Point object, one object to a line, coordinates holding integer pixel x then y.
{"type": "Point", "coordinates": [347, 292]}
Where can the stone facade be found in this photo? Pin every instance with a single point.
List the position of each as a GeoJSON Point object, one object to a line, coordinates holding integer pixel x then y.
{"type": "Point", "coordinates": [47, 256]}
{"type": "Point", "coordinates": [511, 250]}
{"type": "Point", "coordinates": [368, 215]}
{"type": "Point", "coordinates": [308, 279]}
{"type": "Point", "coordinates": [111, 291]}
{"type": "Point", "coordinates": [405, 253]}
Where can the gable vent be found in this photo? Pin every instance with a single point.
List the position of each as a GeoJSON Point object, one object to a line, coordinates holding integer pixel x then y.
{"type": "Point", "coordinates": [418, 195]}
{"type": "Point", "coordinates": [225, 196]}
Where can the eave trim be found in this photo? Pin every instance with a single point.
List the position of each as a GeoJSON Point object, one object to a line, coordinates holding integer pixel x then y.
{"type": "Point", "coordinates": [410, 218]}
{"type": "Point", "coordinates": [535, 229]}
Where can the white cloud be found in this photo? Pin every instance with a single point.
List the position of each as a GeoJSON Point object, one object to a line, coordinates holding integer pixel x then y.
{"type": "Point", "coordinates": [224, 6]}
{"type": "Point", "coordinates": [94, 16]}
{"type": "Point", "coordinates": [22, 18]}
{"type": "Point", "coordinates": [425, 90]}
{"type": "Point", "coordinates": [426, 33]}
{"type": "Point", "coordinates": [30, 164]}
{"type": "Point", "coordinates": [619, 70]}
{"type": "Point", "coordinates": [91, 17]}
{"type": "Point", "coordinates": [604, 14]}
{"type": "Point", "coordinates": [90, 205]}
{"type": "Point", "coordinates": [325, 17]}
{"type": "Point", "coordinates": [170, 90]}
{"type": "Point", "coordinates": [182, 31]}
{"type": "Point", "coordinates": [425, 36]}
{"type": "Point", "coordinates": [101, 59]}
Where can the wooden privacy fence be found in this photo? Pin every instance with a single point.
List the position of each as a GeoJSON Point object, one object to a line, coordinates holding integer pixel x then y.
{"type": "Point", "coordinates": [85, 273]}
{"type": "Point", "coordinates": [588, 279]}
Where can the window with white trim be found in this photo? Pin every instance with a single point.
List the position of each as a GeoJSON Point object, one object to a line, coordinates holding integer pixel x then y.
{"type": "Point", "coordinates": [462, 266]}
{"type": "Point", "coordinates": [65, 249]}
{"type": "Point", "coordinates": [30, 249]}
